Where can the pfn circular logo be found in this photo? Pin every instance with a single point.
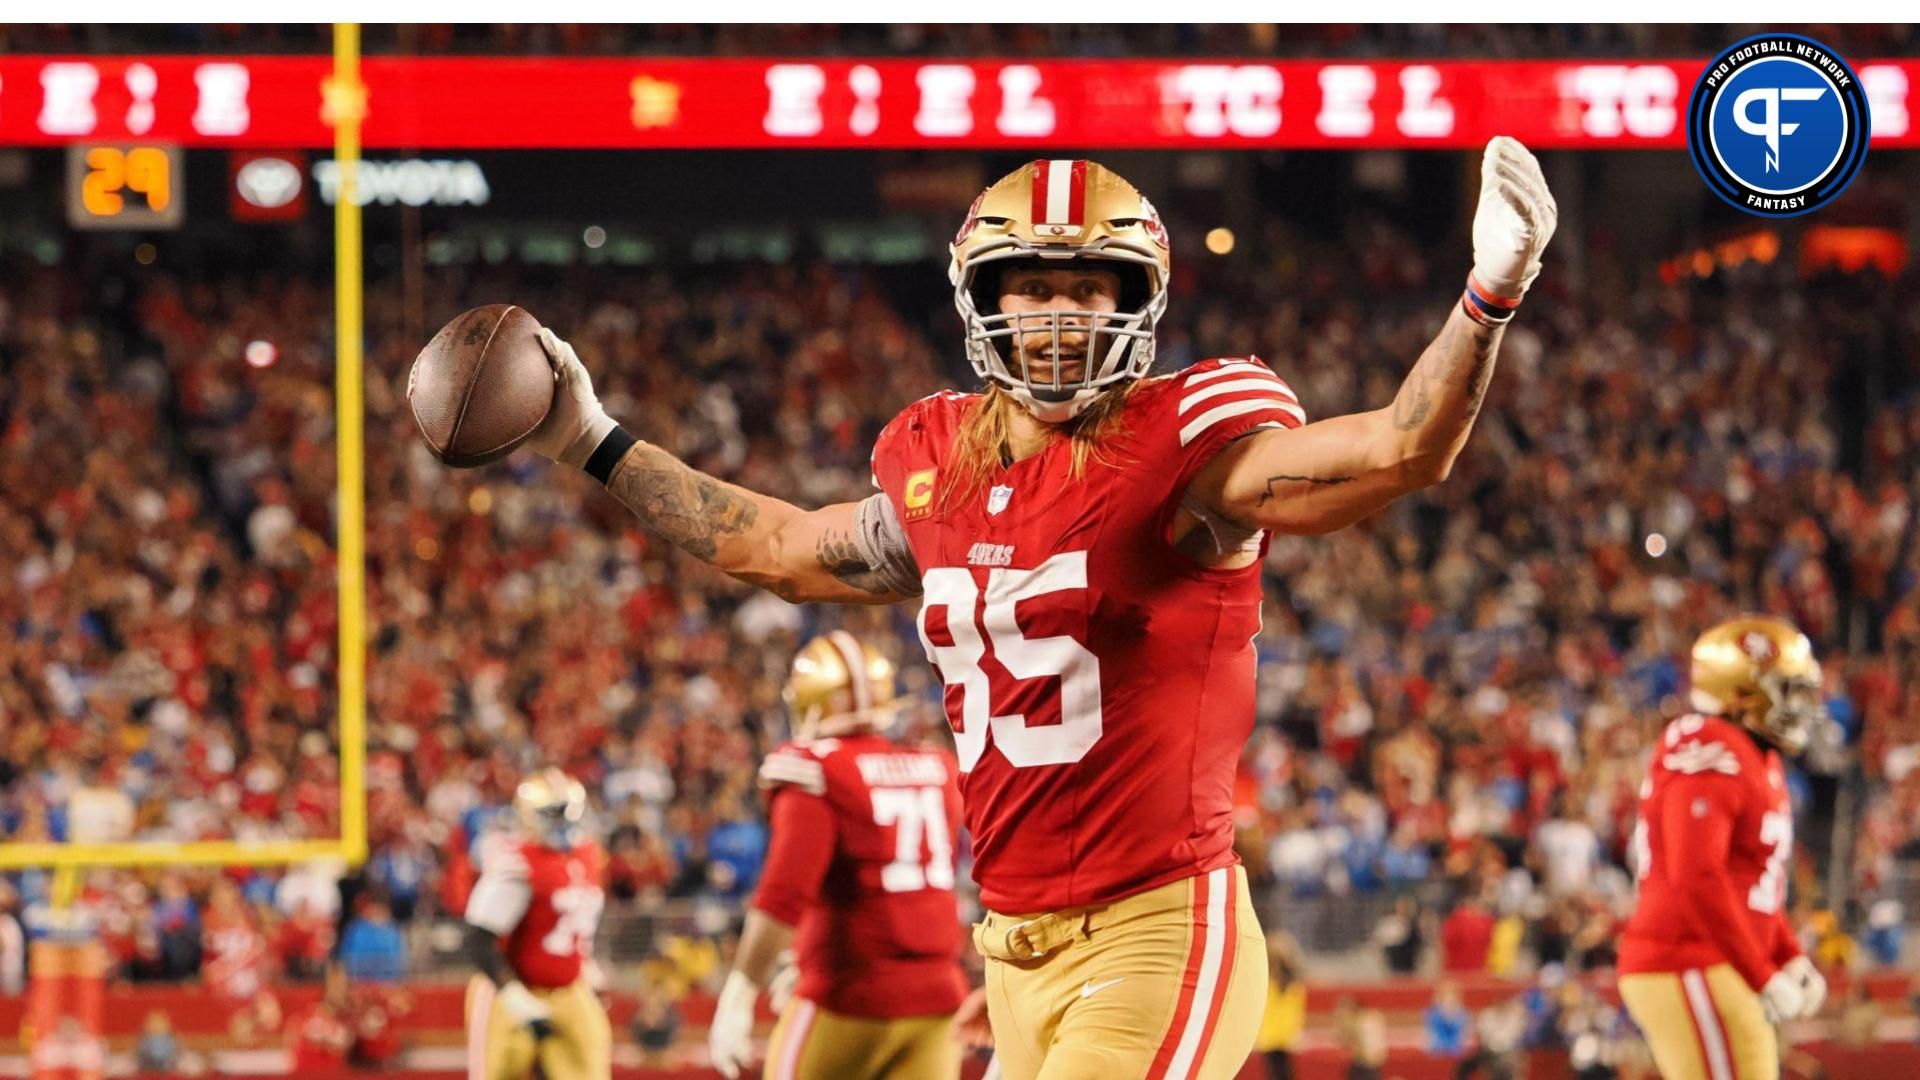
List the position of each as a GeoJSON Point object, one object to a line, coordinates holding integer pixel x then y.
{"type": "Point", "coordinates": [1778, 125]}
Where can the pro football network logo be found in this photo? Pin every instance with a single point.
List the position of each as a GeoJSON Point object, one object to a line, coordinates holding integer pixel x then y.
{"type": "Point", "coordinates": [1777, 125]}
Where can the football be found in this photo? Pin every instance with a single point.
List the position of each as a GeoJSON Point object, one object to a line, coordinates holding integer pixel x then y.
{"type": "Point", "coordinates": [481, 386]}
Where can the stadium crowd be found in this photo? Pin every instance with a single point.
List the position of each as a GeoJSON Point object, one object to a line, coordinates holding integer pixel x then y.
{"type": "Point", "coordinates": [1456, 697]}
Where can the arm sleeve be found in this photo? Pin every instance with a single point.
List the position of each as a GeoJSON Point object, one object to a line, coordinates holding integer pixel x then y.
{"type": "Point", "coordinates": [498, 902]}
{"type": "Point", "coordinates": [883, 544]}
{"type": "Point", "coordinates": [1702, 808]}
{"type": "Point", "coordinates": [803, 843]}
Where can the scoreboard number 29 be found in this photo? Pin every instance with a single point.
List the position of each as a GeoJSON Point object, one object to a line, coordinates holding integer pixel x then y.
{"type": "Point", "coordinates": [124, 186]}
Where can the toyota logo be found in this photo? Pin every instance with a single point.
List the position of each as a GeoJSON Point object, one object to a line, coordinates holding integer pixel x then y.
{"type": "Point", "coordinates": [268, 183]}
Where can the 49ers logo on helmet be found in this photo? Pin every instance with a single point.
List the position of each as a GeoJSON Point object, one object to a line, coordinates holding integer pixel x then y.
{"type": "Point", "coordinates": [1150, 220]}
{"type": "Point", "coordinates": [1759, 648]}
{"type": "Point", "coordinates": [973, 217]}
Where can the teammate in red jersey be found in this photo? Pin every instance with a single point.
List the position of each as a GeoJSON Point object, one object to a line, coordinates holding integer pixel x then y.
{"type": "Point", "coordinates": [531, 919]}
{"type": "Point", "coordinates": [1709, 962]}
{"type": "Point", "coordinates": [859, 880]}
{"type": "Point", "coordinates": [1086, 538]}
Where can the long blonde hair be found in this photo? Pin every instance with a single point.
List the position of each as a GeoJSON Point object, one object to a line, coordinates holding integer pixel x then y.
{"type": "Point", "coordinates": [984, 443]}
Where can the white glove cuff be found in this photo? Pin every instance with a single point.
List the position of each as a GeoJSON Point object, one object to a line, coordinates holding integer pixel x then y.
{"type": "Point", "coordinates": [581, 449]}
{"type": "Point", "coordinates": [521, 1004]}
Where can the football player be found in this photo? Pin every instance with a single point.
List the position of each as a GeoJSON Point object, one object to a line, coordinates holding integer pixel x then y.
{"type": "Point", "coordinates": [1084, 538]}
{"type": "Point", "coordinates": [530, 921]}
{"type": "Point", "coordinates": [859, 880]}
{"type": "Point", "coordinates": [1709, 962]}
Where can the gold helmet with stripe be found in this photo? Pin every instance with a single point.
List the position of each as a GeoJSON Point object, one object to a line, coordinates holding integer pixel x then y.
{"type": "Point", "coordinates": [1061, 213]}
{"type": "Point", "coordinates": [1760, 670]}
{"type": "Point", "coordinates": [839, 685]}
{"type": "Point", "coordinates": [551, 807]}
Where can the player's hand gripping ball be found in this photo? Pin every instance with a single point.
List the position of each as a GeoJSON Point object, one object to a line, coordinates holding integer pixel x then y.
{"type": "Point", "coordinates": [482, 386]}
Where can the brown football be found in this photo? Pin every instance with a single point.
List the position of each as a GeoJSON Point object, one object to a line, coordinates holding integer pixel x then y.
{"type": "Point", "coordinates": [481, 386]}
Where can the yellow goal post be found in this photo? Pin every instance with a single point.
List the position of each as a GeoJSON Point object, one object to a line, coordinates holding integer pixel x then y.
{"type": "Point", "coordinates": [344, 104]}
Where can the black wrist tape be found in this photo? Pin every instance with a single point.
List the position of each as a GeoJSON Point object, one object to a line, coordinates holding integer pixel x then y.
{"type": "Point", "coordinates": [608, 454]}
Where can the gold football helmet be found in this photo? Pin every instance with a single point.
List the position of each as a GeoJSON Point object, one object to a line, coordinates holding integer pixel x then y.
{"type": "Point", "coordinates": [1760, 670]}
{"type": "Point", "coordinates": [551, 807]}
{"type": "Point", "coordinates": [1061, 210]}
{"type": "Point", "coordinates": [839, 685]}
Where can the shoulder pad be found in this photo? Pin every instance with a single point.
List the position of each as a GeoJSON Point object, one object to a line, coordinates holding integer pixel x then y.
{"type": "Point", "coordinates": [794, 766]}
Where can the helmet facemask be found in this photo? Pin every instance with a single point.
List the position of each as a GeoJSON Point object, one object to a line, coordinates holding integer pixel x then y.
{"type": "Point", "coordinates": [1062, 215]}
{"type": "Point", "coordinates": [1119, 344]}
{"type": "Point", "coordinates": [1786, 709]}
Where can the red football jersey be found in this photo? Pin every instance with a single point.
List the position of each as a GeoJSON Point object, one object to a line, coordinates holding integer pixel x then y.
{"type": "Point", "coordinates": [1711, 852]}
{"type": "Point", "coordinates": [861, 864]}
{"type": "Point", "coordinates": [235, 954]}
{"type": "Point", "coordinates": [551, 938]}
{"type": "Point", "coordinates": [1099, 683]}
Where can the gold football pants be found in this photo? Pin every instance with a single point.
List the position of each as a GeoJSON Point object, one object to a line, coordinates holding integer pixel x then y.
{"type": "Point", "coordinates": [810, 1043]}
{"type": "Point", "coordinates": [580, 1048]}
{"type": "Point", "coordinates": [1168, 984]}
{"type": "Point", "coordinates": [1702, 1024]}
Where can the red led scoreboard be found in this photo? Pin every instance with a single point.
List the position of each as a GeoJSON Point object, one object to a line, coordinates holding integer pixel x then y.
{"type": "Point", "coordinates": [479, 103]}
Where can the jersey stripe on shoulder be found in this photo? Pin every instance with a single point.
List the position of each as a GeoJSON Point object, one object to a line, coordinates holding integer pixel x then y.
{"type": "Point", "coordinates": [1234, 388]}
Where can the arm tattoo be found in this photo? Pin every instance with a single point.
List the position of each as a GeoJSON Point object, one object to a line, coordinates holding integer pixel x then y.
{"type": "Point", "coordinates": [1317, 481]}
{"type": "Point", "coordinates": [690, 509]}
{"type": "Point", "coordinates": [1438, 379]}
{"type": "Point", "coordinates": [840, 556]}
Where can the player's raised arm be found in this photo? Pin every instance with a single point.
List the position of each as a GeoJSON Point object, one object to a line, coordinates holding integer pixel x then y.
{"type": "Point", "coordinates": [1330, 474]}
{"type": "Point", "coordinates": [838, 553]}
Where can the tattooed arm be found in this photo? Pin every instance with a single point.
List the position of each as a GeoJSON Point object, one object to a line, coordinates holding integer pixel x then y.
{"type": "Point", "coordinates": [850, 553]}
{"type": "Point", "coordinates": [1330, 474]}
{"type": "Point", "coordinates": [797, 554]}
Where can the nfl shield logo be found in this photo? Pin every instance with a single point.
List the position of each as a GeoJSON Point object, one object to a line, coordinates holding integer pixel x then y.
{"type": "Point", "coordinates": [997, 498]}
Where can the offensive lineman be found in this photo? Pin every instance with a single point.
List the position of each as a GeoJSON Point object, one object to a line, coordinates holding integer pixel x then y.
{"type": "Point", "coordinates": [530, 924]}
{"type": "Point", "coordinates": [859, 878]}
{"type": "Point", "coordinates": [1085, 541]}
{"type": "Point", "coordinates": [1709, 962]}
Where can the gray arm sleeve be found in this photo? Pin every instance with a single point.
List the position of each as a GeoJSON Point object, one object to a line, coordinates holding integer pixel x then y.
{"type": "Point", "coordinates": [882, 541]}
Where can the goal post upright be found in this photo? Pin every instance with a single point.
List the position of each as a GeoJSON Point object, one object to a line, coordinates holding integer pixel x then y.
{"type": "Point", "coordinates": [344, 105]}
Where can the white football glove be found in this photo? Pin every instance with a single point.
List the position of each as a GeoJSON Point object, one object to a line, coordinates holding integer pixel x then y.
{"type": "Point", "coordinates": [1812, 983]}
{"type": "Point", "coordinates": [1784, 997]}
{"type": "Point", "coordinates": [730, 1036]}
{"type": "Point", "coordinates": [781, 987]}
{"type": "Point", "coordinates": [526, 1010]}
{"type": "Point", "coordinates": [1515, 219]}
{"type": "Point", "coordinates": [575, 422]}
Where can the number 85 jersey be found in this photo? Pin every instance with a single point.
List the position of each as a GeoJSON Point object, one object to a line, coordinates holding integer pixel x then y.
{"type": "Point", "coordinates": [1711, 851]}
{"type": "Point", "coordinates": [1099, 683]}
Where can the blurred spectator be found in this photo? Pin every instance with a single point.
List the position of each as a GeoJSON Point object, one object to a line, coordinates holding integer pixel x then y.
{"type": "Point", "coordinates": [304, 943]}
{"type": "Point", "coordinates": [372, 948]}
{"type": "Point", "coordinates": [1465, 936]}
{"type": "Point", "coordinates": [1886, 932]}
{"type": "Point", "coordinates": [1286, 1010]}
{"type": "Point", "coordinates": [323, 1034]}
{"type": "Point", "coordinates": [1448, 1024]}
{"type": "Point", "coordinates": [158, 1050]}
{"type": "Point", "coordinates": [1362, 1034]}
{"type": "Point", "coordinates": [1832, 949]}
{"type": "Point", "coordinates": [13, 943]}
{"type": "Point", "coordinates": [1401, 935]}
{"type": "Point", "coordinates": [399, 870]}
